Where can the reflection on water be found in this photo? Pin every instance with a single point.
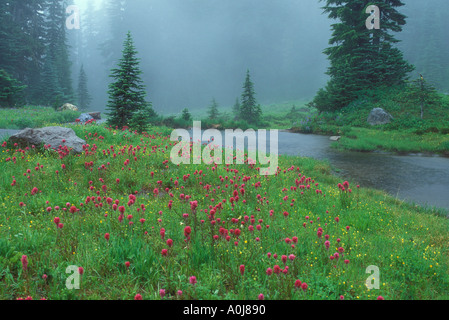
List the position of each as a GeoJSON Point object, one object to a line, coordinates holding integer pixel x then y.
{"type": "Point", "coordinates": [423, 180]}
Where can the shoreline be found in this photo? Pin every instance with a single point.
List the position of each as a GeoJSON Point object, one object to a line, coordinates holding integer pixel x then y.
{"type": "Point", "coordinates": [380, 151]}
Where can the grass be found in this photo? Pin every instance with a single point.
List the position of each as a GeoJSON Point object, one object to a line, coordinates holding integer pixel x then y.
{"type": "Point", "coordinates": [282, 116]}
{"type": "Point", "coordinates": [34, 117]}
{"type": "Point", "coordinates": [362, 139]}
{"type": "Point", "coordinates": [407, 243]}
{"type": "Point", "coordinates": [407, 132]}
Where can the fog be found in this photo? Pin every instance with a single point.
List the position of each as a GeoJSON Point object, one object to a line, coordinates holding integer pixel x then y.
{"type": "Point", "coordinates": [194, 50]}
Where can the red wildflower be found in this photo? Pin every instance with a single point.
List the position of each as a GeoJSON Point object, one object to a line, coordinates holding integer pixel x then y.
{"type": "Point", "coordinates": [24, 262]}
{"type": "Point", "coordinates": [187, 231]}
{"type": "Point", "coordinates": [242, 269]}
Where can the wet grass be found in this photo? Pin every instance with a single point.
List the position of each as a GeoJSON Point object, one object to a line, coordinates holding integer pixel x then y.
{"type": "Point", "coordinates": [34, 117]}
{"type": "Point", "coordinates": [224, 207]}
{"type": "Point", "coordinates": [362, 139]}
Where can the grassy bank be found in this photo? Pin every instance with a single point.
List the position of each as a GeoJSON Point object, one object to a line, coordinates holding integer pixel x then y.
{"type": "Point", "coordinates": [34, 117]}
{"type": "Point", "coordinates": [362, 139]}
{"type": "Point", "coordinates": [407, 132]}
{"type": "Point", "coordinates": [138, 224]}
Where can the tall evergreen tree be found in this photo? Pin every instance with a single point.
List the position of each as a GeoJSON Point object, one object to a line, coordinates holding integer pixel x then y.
{"type": "Point", "coordinates": [22, 42]}
{"type": "Point", "coordinates": [56, 39]}
{"type": "Point", "coordinates": [360, 58]}
{"type": "Point", "coordinates": [236, 109]}
{"type": "Point", "coordinates": [127, 93]}
{"type": "Point", "coordinates": [213, 112]}
{"type": "Point", "coordinates": [10, 90]}
{"type": "Point", "coordinates": [84, 98]}
{"type": "Point", "coordinates": [250, 111]}
{"type": "Point", "coordinates": [115, 11]}
{"type": "Point", "coordinates": [423, 94]}
{"type": "Point", "coordinates": [186, 115]}
{"type": "Point", "coordinates": [51, 91]}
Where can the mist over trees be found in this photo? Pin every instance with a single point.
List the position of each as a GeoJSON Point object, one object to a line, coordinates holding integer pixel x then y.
{"type": "Point", "coordinates": [425, 40]}
{"type": "Point", "coordinates": [192, 50]}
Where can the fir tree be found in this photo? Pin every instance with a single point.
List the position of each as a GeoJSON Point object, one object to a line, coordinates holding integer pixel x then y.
{"type": "Point", "coordinates": [116, 27]}
{"type": "Point", "coordinates": [51, 91]}
{"type": "Point", "coordinates": [236, 109]}
{"type": "Point", "coordinates": [186, 116]}
{"type": "Point", "coordinates": [127, 93]}
{"type": "Point", "coordinates": [22, 43]}
{"type": "Point", "coordinates": [213, 112]}
{"type": "Point", "coordinates": [10, 90]}
{"type": "Point", "coordinates": [423, 94]}
{"type": "Point", "coordinates": [84, 98]}
{"type": "Point", "coordinates": [56, 39]}
{"type": "Point", "coordinates": [360, 58]}
{"type": "Point", "coordinates": [250, 111]}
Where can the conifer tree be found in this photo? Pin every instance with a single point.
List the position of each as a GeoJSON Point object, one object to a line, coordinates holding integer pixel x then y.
{"type": "Point", "coordinates": [22, 43]}
{"type": "Point", "coordinates": [236, 109]}
{"type": "Point", "coordinates": [56, 41]}
{"type": "Point", "coordinates": [250, 111]}
{"type": "Point", "coordinates": [360, 58]}
{"type": "Point", "coordinates": [10, 90]}
{"type": "Point", "coordinates": [423, 94]}
{"type": "Point", "coordinates": [186, 116]}
{"type": "Point", "coordinates": [51, 91]}
{"type": "Point", "coordinates": [213, 112]}
{"type": "Point", "coordinates": [84, 98]}
{"type": "Point", "coordinates": [127, 106]}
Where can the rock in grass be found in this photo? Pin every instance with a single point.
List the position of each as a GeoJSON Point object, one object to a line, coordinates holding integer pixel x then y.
{"type": "Point", "coordinates": [53, 136]}
{"type": "Point", "coordinates": [379, 116]}
{"type": "Point", "coordinates": [95, 115]}
{"type": "Point", "coordinates": [335, 138]}
{"type": "Point", "coordinates": [69, 107]}
{"type": "Point", "coordinates": [85, 117]}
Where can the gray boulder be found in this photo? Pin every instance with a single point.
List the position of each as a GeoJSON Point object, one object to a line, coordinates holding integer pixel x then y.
{"type": "Point", "coordinates": [68, 107]}
{"type": "Point", "coordinates": [379, 116]}
{"type": "Point", "coordinates": [96, 115]}
{"type": "Point", "coordinates": [335, 138]}
{"type": "Point", "coordinates": [85, 117]}
{"type": "Point", "coordinates": [53, 136]}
